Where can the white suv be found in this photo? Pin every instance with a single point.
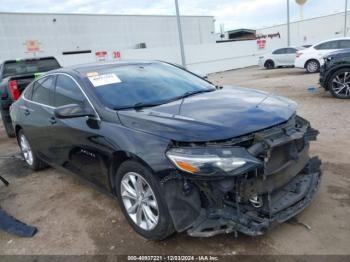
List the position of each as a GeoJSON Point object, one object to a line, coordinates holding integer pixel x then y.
{"type": "Point", "coordinates": [311, 58]}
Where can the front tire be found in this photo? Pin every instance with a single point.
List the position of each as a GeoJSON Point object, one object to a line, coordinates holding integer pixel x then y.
{"type": "Point", "coordinates": [6, 120]}
{"type": "Point", "coordinates": [139, 196]}
{"type": "Point", "coordinates": [29, 155]}
{"type": "Point", "coordinates": [339, 83]}
{"type": "Point", "coordinates": [312, 66]}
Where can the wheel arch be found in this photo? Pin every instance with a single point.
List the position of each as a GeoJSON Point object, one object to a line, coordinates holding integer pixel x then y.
{"type": "Point", "coordinates": [17, 129]}
{"type": "Point", "coordinates": [332, 71]}
{"type": "Point", "coordinates": [117, 159]}
{"type": "Point", "coordinates": [268, 61]}
{"type": "Point", "coordinates": [312, 59]}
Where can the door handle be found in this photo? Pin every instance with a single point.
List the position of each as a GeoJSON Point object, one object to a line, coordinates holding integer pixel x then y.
{"type": "Point", "coordinates": [26, 112]}
{"type": "Point", "coordinates": [52, 120]}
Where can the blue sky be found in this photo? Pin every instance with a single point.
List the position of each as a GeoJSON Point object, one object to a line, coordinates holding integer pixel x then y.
{"type": "Point", "coordinates": [232, 13]}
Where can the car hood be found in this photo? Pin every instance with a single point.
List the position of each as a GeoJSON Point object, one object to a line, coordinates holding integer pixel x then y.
{"type": "Point", "coordinates": [212, 116]}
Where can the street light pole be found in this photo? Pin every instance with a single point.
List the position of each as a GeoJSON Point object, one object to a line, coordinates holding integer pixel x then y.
{"type": "Point", "coordinates": [346, 16]}
{"type": "Point", "coordinates": [180, 34]}
{"type": "Point", "coordinates": [288, 24]}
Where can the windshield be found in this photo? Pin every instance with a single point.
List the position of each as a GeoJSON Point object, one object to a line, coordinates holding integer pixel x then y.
{"type": "Point", "coordinates": [133, 85]}
{"type": "Point", "coordinates": [20, 67]}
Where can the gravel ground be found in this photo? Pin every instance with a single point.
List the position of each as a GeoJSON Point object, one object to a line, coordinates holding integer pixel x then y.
{"type": "Point", "coordinates": [74, 218]}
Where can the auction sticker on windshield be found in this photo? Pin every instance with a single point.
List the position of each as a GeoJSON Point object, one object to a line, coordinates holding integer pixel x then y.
{"type": "Point", "coordinates": [107, 79]}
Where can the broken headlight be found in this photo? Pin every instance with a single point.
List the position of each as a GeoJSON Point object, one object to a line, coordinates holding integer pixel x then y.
{"type": "Point", "coordinates": [208, 161]}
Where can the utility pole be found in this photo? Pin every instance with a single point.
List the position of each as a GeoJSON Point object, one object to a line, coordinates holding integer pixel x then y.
{"type": "Point", "coordinates": [180, 34]}
{"type": "Point", "coordinates": [288, 24]}
{"type": "Point", "coordinates": [346, 16]}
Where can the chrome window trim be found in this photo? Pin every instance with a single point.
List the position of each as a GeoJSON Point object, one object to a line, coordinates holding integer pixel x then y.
{"type": "Point", "coordinates": [52, 107]}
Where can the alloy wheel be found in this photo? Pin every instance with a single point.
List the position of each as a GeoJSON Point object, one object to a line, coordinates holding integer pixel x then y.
{"type": "Point", "coordinates": [312, 66]}
{"type": "Point", "coordinates": [26, 150]}
{"type": "Point", "coordinates": [139, 201]}
{"type": "Point", "coordinates": [341, 85]}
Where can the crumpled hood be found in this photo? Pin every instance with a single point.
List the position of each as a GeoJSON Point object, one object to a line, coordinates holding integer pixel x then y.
{"type": "Point", "coordinates": [216, 115]}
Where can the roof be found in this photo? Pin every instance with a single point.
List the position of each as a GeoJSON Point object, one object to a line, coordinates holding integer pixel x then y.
{"type": "Point", "coordinates": [99, 65]}
{"type": "Point", "coordinates": [241, 30]}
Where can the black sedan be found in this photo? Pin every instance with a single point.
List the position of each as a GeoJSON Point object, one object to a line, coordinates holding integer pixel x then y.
{"type": "Point", "coordinates": [177, 152]}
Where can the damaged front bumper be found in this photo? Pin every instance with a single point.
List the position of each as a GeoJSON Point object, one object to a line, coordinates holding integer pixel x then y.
{"type": "Point", "coordinates": [253, 201]}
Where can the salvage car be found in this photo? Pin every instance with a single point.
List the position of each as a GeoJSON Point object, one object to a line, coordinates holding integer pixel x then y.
{"type": "Point", "coordinates": [15, 75]}
{"type": "Point", "coordinates": [335, 73]}
{"type": "Point", "coordinates": [178, 153]}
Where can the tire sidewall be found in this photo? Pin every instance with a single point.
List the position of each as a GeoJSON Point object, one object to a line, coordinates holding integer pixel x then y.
{"type": "Point", "coordinates": [19, 135]}
{"type": "Point", "coordinates": [330, 87]}
{"type": "Point", "coordinates": [312, 61]}
{"type": "Point", "coordinates": [269, 64]}
{"type": "Point", "coordinates": [165, 226]}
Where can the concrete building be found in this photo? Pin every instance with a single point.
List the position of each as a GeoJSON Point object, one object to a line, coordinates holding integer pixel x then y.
{"type": "Point", "coordinates": [78, 37]}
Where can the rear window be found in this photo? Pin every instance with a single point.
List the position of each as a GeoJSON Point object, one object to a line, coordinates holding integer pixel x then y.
{"type": "Point", "coordinates": [29, 66]}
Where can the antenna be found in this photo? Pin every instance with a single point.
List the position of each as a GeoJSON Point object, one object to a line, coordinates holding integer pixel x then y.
{"type": "Point", "coordinates": [301, 3]}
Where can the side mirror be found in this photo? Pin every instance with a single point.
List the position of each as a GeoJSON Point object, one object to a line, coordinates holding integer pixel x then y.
{"type": "Point", "coordinates": [72, 111]}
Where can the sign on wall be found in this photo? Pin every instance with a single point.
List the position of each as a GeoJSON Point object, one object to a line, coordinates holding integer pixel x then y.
{"type": "Point", "coordinates": [261, 43]}
{"type": "Point", "coordinates": [32, 46]}
{"type": "Point", "coordinates": [116, 55]}
{"type": "Point", "coordinates": [101, 56]}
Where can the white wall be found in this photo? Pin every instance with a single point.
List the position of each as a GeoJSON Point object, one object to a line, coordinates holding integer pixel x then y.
{"type": "Point", "coordinates": [121, 33]}
{"type": "Point", "coordinates": [309, 31]}
{"type": "Point", "coordinates": [58, 33]}
{"type": "Point", "coordinates": [207, 58]}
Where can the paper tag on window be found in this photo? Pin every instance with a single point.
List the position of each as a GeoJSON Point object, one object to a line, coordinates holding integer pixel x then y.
{"type": "Point", "coordinates": [107, 79]}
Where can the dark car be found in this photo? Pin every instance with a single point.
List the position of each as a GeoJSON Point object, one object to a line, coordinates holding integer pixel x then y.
{"type": "Point", "coordinates": [335, 73]}
{"type": "Point", "coordinates": [15, 75]}
{"type": "Point", "coordinates": [178, 153]}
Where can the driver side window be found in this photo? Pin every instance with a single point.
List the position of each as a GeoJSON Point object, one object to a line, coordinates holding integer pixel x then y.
{"type": "Point", "coordinates": [67, 92]}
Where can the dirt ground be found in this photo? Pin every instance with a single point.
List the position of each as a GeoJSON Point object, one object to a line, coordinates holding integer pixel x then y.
{"type": "Point", "coordinates": [74, 218]}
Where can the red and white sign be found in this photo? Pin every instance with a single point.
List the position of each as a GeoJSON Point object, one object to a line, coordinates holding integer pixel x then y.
{"type": "Point", "coordinates": [117, 55]}
{"type": "Point", "coordinates": [261, 43]}
{"type": "Point", "coordinates": [101, 55]}
{"type": "Point", "coordinates": [32, 46]}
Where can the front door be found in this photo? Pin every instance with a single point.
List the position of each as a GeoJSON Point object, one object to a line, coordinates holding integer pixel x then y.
{"type": "Point", "coordinates": [76, 141]}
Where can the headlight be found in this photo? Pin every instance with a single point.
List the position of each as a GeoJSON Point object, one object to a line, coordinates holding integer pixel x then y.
{"type": "Point", "coordinates": [327, 58]}
{"type": "Point", "coordinates": [208, 161]}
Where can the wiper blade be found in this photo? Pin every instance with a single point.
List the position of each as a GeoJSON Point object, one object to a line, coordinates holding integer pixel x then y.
{"type": "Point", "coordinates": [191, 93]}
{"type": "Point", "coordinates": [139, 105]}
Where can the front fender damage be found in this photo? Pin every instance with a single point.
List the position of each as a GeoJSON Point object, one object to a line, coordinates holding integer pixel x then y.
{"type": "Point", "coordinates": [255, 201]}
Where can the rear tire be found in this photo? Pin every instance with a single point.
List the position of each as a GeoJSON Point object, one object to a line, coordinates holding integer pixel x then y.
{"type": "Point", "coordinates": [312, 66]}
{"type": "Point", "coordinates": [29, 155]}
{"type": "Point", "coordinates": [269, 64]}
{"type": "Point", "coordinates": [6, 120]}
{"type": "Point", "coordinates": [139, 193]}
{"type": "Point", "coordinates": [339, 83]}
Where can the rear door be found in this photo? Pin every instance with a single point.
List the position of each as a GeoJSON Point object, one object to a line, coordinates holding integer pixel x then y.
{"type": "Point", "coordinates": [77, 144]}
{"type": "Point", "coordinates": [37, 115]}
